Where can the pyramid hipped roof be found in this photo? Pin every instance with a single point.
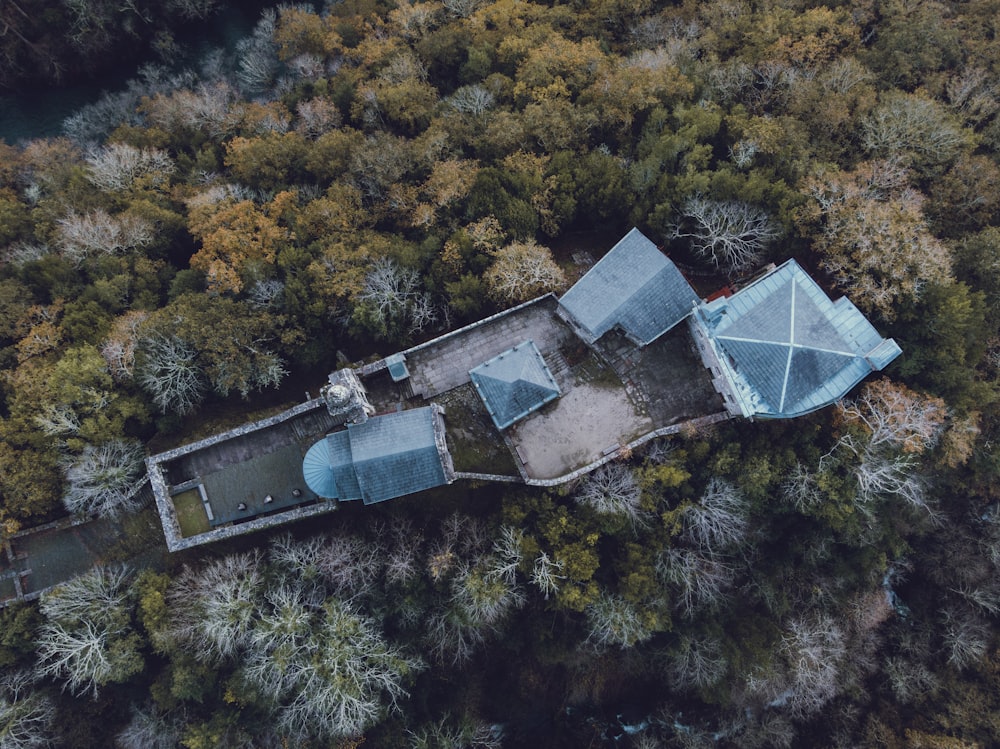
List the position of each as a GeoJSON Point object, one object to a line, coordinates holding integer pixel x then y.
{"type": "Point", "coordinates": [634, 287]}
{"type": "Point", "coordinates": [787, 349]}
{"type": "Point", "coordinates": [514, 384]}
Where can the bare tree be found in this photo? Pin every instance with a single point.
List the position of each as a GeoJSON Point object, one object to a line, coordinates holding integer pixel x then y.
{"type": "Point", "coordinates": [304, 559]}
{"type": "Point", "coordinates": [475, 100]}
{"type": "Point", "coordinates": [465, 733]}
{"type": "Point", "coordinates": [213, 609]}
{"type": "Point", "coordinates": [507, 554]}
{"type": "Point", "coordinates": [167, 368]}
{"type": "Point", "coordinates": [484, 599]}
{"type": "Point", "coordinates": [967, 637]}
{"type": "Point", "coordinates": [696, 663]}
{"type": "Point", "coordinates": [718, 520]}
{"type": "Point", "coordinates": [316, 116]}
{"type": "Point", "coordinates": [87, 640]}
{"type": "Point", "coordinates": [349, 564]}
{"type": "Point", "coordinates": [814, 649]}
{"type": "Point", "coordinates": [257, 55]}
{"type": "Point", "coordinates": [105, 479]}
{"type": "Point", "coordinates": [392, 297]}
{"type": "Point", "coordinates": [193, 9]}
{"type": "Point", "coordinates": [118, 348]}
{"type": "Point", "coordinates": [974, 94]}
{"type": "Point", "coordinates": [58, 420]}
{"type": "Point", "coordinates": [462, 8]}
{"type": "Point", "coordinates": [912, 124]}
{"type": "Point", "coordinates": [910, 679]}
{"type": "Point", "coordinates": [869, 227]}
{"type": "Point", "coordinates": [890, 475]}
{"type": "Point", "coordinates": [19, 253]}
{"type": "Point", "coordinates": [450, 640]}
{"type": "Point", "coordinates": [26, 715]}
{"type": "Point", "coordinates": [611, 620]}
{"type": "Point", "coordinates": [267, 294]}
{"type": "Point", "coordinates": [896, 425]}
{"type": "Point", "coordinates": [401, 559]}
{"type": "Point", "coordinates": [99, 233]}
{"type": "Point", "coordinates": [801, 488]}
{"type": "Point", "coordinates": [731, 234]}
{"type": "Point", "coordinates": [700, 579]}
{"type": "Point", "coordinates": [613, 490]}
{"type": "Point", "coordinates": [213, 107]}
{"type": "Point", "coordinates": [897, 417]}
{"type": "Point", "coordinates": [466, 534]}
{"type": "Point", "coordinates": [545, 574]}
{"type": "Point", "coordinates": [335, 681]}
{"type": "Point", "coordinates": [523, 270]}
{"type": "Point", "coordinates": [151, 728]}
{"type": "Point", "coordinates": [119, 166]}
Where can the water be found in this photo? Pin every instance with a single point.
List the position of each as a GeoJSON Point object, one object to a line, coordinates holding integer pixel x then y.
{"type": "Point", "coordinates": [40, 113]}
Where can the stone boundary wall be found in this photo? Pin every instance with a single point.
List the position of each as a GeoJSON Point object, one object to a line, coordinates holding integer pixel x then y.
{"type": "Point", "coordinates": [239, 529]}
{"type": "Point", "coordinates": [61, 524]}
{"type": "Point", "coordinates": [489, 477]}
{"type": "Point", "coordinates": [471, 326]}
{"type": "Point", "coordinates": [165, 505]}
{"type": "Point", "coordinates": [239, 431]}
{"type": "Point", "coordinates": [441, 444]}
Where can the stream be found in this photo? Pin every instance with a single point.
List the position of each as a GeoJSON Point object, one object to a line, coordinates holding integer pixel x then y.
{"type": "Point", "coordinates": [40, 113]}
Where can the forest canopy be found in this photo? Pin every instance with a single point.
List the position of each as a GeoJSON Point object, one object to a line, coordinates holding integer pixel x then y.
{"type": "Point", "coordinates": [359, 176]}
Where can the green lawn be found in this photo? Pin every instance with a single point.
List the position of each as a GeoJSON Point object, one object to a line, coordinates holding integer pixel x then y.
{"type": "Point", "coordinates": [191, 513]}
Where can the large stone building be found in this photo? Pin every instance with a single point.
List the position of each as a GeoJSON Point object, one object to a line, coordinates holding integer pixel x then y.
{"type": "Point", "coordinates": [540, 394]}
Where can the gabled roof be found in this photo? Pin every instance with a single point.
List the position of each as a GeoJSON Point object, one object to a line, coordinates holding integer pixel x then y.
{"type": "Point", "coordinates": [634, 287]}
{"type": "Point", "coordinates": [396, 454]}
{"type": "Point", "coordinates": [385, 457]}
{"type": "Point", "coordinates": [514, 383]}
{"type": "Point", "coordinates": [787, 348]}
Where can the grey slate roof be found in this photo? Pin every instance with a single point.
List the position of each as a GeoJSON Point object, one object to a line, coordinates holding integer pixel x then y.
{"type": "Point", "coordinates": [787, 348]}
{"type": "Point", "coordinates": [318, 471]}
{"type": "Point", "coordinates": [329, 470]}
{"type": "Point", "coordinates": [514, 383]}
{"type": "Point", "coordinates": [396, 454]}
{"type": "Point", "coordinates": [634, 287]}
{"type": "Point", "coordinates": [385, 457]}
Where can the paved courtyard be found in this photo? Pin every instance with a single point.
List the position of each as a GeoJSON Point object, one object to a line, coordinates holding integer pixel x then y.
{"type": "Point", "coordinates": [582, 426]}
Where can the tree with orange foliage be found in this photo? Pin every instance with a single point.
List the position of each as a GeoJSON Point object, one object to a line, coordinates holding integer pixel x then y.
{"type": "Point", "coordinates": [894, 416]}
{"type": "Point", "coordinates": [238, 238]}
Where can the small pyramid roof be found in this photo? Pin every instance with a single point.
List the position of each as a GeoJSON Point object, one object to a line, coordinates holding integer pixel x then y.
{"type": "Point", "coordinates": [514, 384]}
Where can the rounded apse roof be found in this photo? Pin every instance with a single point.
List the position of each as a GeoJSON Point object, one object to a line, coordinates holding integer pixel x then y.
{"type": "Point", "coordinates": [317, 470]}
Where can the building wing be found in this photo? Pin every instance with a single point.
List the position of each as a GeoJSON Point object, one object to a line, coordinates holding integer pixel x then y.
{"type": "Point", "coordinates": [786, 349]}
{"type": "Point", "coordinates": [634, 287]}
{"type": "Point", "coordinates": [382, 458]}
